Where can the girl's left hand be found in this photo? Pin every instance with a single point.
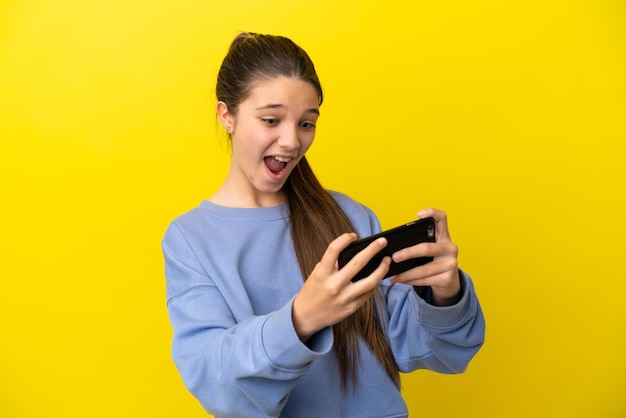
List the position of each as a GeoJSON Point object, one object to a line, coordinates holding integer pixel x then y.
{"type": "Point", "coordinates": [442, 274]}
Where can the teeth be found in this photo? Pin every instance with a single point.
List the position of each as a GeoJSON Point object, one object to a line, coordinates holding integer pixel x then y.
{"type": "Point", "coordinates": [282, 159]}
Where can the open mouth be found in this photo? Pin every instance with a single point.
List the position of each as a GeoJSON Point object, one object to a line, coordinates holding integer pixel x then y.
{"type": "Point", "coordinates": [276, 164]}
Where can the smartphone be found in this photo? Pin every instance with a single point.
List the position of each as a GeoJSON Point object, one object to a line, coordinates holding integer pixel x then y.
{"type": "Point", "coordinates": [422, 230]}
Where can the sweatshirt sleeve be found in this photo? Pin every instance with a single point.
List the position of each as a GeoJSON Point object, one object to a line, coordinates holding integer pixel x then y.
{"type": "Point", "coordinates": [244, 368]}
{"type": "Point", "coordinates": [442, 339]}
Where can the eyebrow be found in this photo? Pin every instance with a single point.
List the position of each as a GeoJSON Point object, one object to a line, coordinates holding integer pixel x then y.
{"type": "Point", "coordinates": [280, 106]}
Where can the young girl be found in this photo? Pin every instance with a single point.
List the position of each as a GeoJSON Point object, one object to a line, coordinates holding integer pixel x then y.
{"type": "Point", "coordinates": [265, 324]}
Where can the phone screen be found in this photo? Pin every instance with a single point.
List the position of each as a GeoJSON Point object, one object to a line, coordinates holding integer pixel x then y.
{"type": "Point", "coordinates": [412, 233]}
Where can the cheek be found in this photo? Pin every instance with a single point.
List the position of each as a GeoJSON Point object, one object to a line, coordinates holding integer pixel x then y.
{"type": "Point", "coordinates": [306, 142]}
{"type": "Point", "coordinates": [250, 141]}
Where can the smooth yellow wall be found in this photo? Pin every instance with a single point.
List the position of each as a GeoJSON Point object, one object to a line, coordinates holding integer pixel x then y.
{"type": "Point", "coordinates": [509, 115]}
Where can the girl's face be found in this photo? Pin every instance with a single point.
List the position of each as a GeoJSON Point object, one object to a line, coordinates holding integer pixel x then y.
{"type": "Point", "coordinates": [271, 132]}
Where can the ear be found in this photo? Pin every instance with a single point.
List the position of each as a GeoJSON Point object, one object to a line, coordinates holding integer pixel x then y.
{"type": "Point", "coordinates": [225, 116]}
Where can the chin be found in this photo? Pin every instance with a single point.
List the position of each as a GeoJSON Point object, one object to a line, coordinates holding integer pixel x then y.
{"type": "Point", "coordinates": [271, 187]}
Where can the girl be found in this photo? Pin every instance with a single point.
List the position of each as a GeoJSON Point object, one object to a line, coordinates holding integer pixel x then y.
{"type": "Point", "coordinates": [265, 324]}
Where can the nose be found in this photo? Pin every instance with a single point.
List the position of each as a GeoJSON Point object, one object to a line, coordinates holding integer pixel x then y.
{"type": "Point", "coordinates": [289, 138]}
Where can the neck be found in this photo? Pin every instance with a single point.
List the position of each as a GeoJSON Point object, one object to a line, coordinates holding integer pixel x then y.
{"type": "Point", "coordinates": [236, 198]}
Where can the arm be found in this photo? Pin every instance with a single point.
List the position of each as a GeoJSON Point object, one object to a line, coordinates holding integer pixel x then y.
{"type": "Point", "coordinates": [242, 368]}
{"type": "Point", "coordinates": [236, 362]}
{"type": "Point", "coordinates": [451, 324]}
{"type": "Point", "coordinates": [439, 338]}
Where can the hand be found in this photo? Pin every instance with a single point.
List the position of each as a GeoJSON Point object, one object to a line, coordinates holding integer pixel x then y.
{"type": "Point", "coordinates": [329, 295]}
{"type": "Point", "coordinates": [442, 274]}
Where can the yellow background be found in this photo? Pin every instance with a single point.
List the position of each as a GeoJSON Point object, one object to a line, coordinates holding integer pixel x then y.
{"type": "Point", "coordinates": [509, 115]}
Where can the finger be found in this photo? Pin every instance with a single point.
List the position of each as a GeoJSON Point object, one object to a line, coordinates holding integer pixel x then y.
{"type": "Point", "coordinates": [426, 249]}
{"type": "Point", "coordinates": [362, 258]}
{"type": "Point", "coordinates": [367, 284]}
{"type": "Point", "coordinates": [361, 290]}
{"type": "Point", "coordinates": [446, 286]}
{"type": "Point", "coordinates": [441, 222]}
{"type": "Point", "coordinates": [329, 260]}
{"type": "Point", "coordinates": [428, 274]}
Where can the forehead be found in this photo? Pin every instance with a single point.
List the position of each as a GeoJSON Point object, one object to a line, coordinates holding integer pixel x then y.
{"type": "Point", "coordinates": [285, 91]}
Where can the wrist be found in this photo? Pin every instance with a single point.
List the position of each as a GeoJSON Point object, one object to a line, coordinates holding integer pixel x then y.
{"type": "Point", "coordinates": [448, 296]}
{"type": "Point", "coordinates": [446, 301]}
{"type": "Point", "coordinates": [301, 321]}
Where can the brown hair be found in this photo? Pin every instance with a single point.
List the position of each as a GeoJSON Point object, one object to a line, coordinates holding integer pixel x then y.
{"type": "Point", "coordinates": [252, 57]}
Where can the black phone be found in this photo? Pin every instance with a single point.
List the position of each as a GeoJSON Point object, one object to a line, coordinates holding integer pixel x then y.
{"type": "Point", "coordinates": [412, 233]}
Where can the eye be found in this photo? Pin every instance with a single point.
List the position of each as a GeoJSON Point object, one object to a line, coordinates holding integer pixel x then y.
{"type": "Point", "coordinates": [270, 121]}
{"type": "Point", "coordinates": [307, 125]}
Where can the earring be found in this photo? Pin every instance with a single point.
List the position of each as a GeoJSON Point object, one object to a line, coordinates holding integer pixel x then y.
{"type": "Point", "coordinates": [228, 129]}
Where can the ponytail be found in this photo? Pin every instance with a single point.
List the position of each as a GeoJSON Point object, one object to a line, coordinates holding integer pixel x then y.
{"type": "Point", "coordinates": [312, 208]}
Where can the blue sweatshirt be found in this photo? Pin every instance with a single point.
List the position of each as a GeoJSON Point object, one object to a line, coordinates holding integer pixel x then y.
{"type": "Point", "coordinates": [232, 275]}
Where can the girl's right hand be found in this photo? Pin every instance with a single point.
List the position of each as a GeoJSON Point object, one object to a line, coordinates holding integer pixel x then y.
{"type": "Point", "coordinates": [329, 295]}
